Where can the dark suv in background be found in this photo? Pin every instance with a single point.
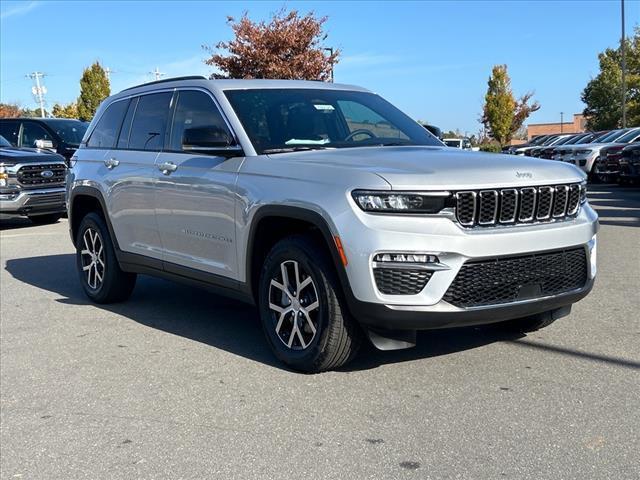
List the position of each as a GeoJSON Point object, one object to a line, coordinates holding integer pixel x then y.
{"type": "Point", "coordinates": [59, 135]}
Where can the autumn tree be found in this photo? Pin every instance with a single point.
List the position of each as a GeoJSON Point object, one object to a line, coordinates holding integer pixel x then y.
{"type": "Point", "coordinates": [502, 114]}
{"type": "Point", "coordinates": [9, 110]}
{"type": "Point", "coordinates": [603, 94]}
{"type": "Point", "coordinates": [94, 88]}
{"type": "Point", "coordinates": [65, 111]}
{"type": "Point", "coordinates": [288, 47]}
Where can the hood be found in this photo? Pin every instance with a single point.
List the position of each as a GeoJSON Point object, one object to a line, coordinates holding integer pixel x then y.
{"type": "Point", "coordinates": [12, 155]}
{"type": "Point", "coordinates": [433, 168]}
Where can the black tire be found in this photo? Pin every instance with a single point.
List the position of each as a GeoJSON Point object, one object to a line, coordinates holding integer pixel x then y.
{"type": "Point", "coordinates": [116, 285]}
{"type": "Point", "coordinates": [337, 336]}
{"type": "Point", "coordinates": [45, 219]}
{"type": "Point", "coordinates": [527, 324]}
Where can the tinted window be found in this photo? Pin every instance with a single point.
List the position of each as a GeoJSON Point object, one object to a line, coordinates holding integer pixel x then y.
{"type": "Point", "coordinates": [150, 121]}
{"type": "Point", "coordinates": [277, 119]}
{"type": "Point", "coordinates": [69, 131]}
{"type": "Point", "coordinates": [31, 132]}
{"type": "Point", "coordinates": [125, 131]}
{"type": "Point", "coordinates": [194, 110]}
{"type": "Point", "coordinates": [9, 130]}
{"type": "Point", "coordinates": [106, 131]}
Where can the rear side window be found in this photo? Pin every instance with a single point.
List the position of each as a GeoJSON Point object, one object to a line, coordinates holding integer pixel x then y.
{"type": "Point", "coordinates": [150, 122]}
{"type": "Point", "coordinates": [106, 131]}
{"type": "Point", "coordinates": [9, 130]}
{"type": "Point", "coordinates": [125, 131]}
{"type": "Point", "coordinates": [194, 110]}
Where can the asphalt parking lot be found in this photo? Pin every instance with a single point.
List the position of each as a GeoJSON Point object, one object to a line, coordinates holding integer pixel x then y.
{"type": "Point", "coordinates": [178, 383]}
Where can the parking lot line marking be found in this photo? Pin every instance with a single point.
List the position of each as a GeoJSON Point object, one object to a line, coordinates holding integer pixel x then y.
{"type": "Point", "coordinates": [29, 235]}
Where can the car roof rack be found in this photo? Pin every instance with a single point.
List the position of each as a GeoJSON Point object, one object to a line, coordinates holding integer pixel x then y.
{"type": "Point", "coordinates": [164, 80]}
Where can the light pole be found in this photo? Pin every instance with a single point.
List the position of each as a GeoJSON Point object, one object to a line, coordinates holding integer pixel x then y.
{"type": "Point", "coordinates": [330, 50]}
{"type": "Point", "coordinates": [624, 69]}
{"type": "Point", "coordinates": [561, 121]}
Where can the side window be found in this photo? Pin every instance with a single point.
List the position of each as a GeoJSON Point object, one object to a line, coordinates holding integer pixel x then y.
{"type": "Point", "coordinates": [194, 110]}
{"type": "Point", "coordinates": [32, 132]}
{"type": "Point", "coordinates": [125, 131]}
{"type": "Point", "coordinates": [107, 128]}
{"type": "Point", "coordinates": [361, 117]}
{"type": "Point", "coordinates": [9, 130]}
{"type": "Point", "coordinates": [150, 121]}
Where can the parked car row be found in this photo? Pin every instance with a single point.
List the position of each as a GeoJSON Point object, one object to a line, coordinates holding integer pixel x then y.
{"type": "Point", "coordinates": [596, 153]}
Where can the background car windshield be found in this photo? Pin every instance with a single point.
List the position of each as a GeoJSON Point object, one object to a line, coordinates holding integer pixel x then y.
{"type": "Point", "coordinates": [4, 142]}
{"type": "Point", "coordinates": [452, 143]}
{"type": "Point", "coordinates": [70, 131]}
{"type": "Point", "coordinates": [284, 119]}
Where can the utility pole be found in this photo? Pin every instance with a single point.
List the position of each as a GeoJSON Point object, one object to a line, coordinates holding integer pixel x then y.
{"type": "Point", "coordinates": [561, 121]}
{"type": "Point", "coordinates": [108, 72]}
{"type": "Point", "coordinates": [38, 90]}
{"type": "Point", "coordinates": [624, 69]}
{"type": "Point", "coordinates": [330, 50]}
{"type": "Point", "coordinates": [157, 73]}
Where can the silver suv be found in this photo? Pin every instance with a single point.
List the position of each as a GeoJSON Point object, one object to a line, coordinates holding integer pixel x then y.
{"type": "Point", "coordinates": [336, 214]}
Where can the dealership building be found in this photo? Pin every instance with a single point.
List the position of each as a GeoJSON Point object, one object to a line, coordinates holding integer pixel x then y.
{"type": "Point", "coordinates": [577, 126]}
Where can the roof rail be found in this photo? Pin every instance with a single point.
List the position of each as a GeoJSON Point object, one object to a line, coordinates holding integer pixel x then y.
{"type": "Point", "coordinates": [164, 80]}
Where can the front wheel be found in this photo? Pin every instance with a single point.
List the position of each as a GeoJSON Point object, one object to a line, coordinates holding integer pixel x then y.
{"type": "Point", "coordinates": [100, 275]}
{"type": "Point", "coordinates": [300, 307]}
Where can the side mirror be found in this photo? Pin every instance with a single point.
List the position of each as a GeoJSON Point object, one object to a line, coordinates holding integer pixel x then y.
{"type": "Point", "coordinates": [46, 144]}
{"type": "Point", "coordinates": [211, 140]}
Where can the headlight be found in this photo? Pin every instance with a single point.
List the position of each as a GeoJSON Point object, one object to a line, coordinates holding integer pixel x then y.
{"type": "Point", "coordinates": [4, 176]}
{"type": "Point", "coordinates": [401, 202]}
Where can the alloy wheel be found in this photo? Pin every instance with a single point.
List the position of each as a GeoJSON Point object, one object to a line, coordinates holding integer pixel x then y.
{"type": "Point", "coordinates": [92, 258]}
{"type": "Point", "coordinates": [294, 305]}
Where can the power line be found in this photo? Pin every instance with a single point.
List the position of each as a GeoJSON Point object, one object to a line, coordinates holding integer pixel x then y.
{"type": "Point", "coordinates": [38, 90]}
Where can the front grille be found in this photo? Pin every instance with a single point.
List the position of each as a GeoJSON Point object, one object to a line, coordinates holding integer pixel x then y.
{"type": "Point", "coordinates": [31, 175]}
{"type": "Point", "coordinates": [508, 279]}
{"type": "Point", "coordinates": [401, 281]}
{"type": "Point", "coordinates": [508, 206]}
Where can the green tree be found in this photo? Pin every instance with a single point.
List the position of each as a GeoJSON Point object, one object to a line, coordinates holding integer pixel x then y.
{"type": "Point", "coordinates": [288, 47]}
{"type": "Point", "coordinates": [502, 114]}
{"type": "Point", "coordinates": [94, 88]}
{"type": "Point", "coordinates": [65, 111]}
{"type": "Point", "coordinates": [603, 94]}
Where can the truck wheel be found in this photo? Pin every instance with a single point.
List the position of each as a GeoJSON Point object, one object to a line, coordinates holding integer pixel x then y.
{"type": "Point", "coordinates": [100, 275]}
{"type": "Point", "coordinates": [301, 310]}
{"type": "Point", "coordinates": [527, 324]}
{"type": "Point", "coordinates": [45, 219]}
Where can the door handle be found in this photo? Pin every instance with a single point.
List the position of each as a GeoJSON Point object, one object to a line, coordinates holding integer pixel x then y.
{"type": "Point", "coordinates": [167, 167]}
{"type": "Point", "coordinates": [111, 163]}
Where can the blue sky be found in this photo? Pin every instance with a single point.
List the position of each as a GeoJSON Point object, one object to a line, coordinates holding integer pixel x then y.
{"type": "Point", "coordinates": [432, 59]}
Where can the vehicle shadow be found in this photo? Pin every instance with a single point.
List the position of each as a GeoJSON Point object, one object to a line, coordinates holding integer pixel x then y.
{"type": "Point", "coordinates": [220, 322]}
{"type": "Point", "coordinates": [14, 223]}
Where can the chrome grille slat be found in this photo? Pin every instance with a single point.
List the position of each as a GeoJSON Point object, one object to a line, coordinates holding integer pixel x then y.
{"type": "Point", "coordinates": [513, 206]}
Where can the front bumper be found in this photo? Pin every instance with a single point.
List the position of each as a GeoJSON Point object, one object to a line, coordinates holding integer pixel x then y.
{"type": "Point", "coordinates": [454, 246]}
{"type": "Point", "coordinates": [36, 201]}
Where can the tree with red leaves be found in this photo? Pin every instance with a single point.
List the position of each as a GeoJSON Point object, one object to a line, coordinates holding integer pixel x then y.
{"type": "Point", "coordinates": [288, 47]}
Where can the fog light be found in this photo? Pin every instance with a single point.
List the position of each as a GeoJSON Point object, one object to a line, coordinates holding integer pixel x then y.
{"type": "Point", "coordinates": [405, 258]}
{"type": "Point", "coordinates": [593, 254]}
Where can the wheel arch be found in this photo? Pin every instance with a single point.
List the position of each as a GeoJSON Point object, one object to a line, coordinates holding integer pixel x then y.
{"type": "Point", "coordinates": [298, 220]}
{"type": "Point", "coordinates": [83, 200]}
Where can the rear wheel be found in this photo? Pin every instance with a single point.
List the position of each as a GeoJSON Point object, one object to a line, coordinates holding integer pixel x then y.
{"type": "Point", "coordinates": [45, 219]}
{"type": "Point", "coordinates": [100, 275]}
{"type": "Point", "coordinates": [300, 308]}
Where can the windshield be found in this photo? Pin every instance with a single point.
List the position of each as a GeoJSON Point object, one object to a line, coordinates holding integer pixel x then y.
{"type": "Point", "coordinates": [70, 131]}
{"type": "Point", "coordinates": [4, 142]}
{"type": "Point", "coordinates": [453, 143]}
{"type": "Point", "coordinates": [611, 136]}
{"type": "Point", "coordinates": [629, 137]}
{"type": "Point", "coordinates": [282, 120]}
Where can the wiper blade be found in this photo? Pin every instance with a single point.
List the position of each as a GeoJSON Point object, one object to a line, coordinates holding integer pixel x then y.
{"type": "Point", "coordinates": [293, 149]}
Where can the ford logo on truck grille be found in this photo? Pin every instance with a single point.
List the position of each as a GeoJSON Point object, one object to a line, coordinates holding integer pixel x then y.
{"type": "Point", "coordinates": [46, 174]}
